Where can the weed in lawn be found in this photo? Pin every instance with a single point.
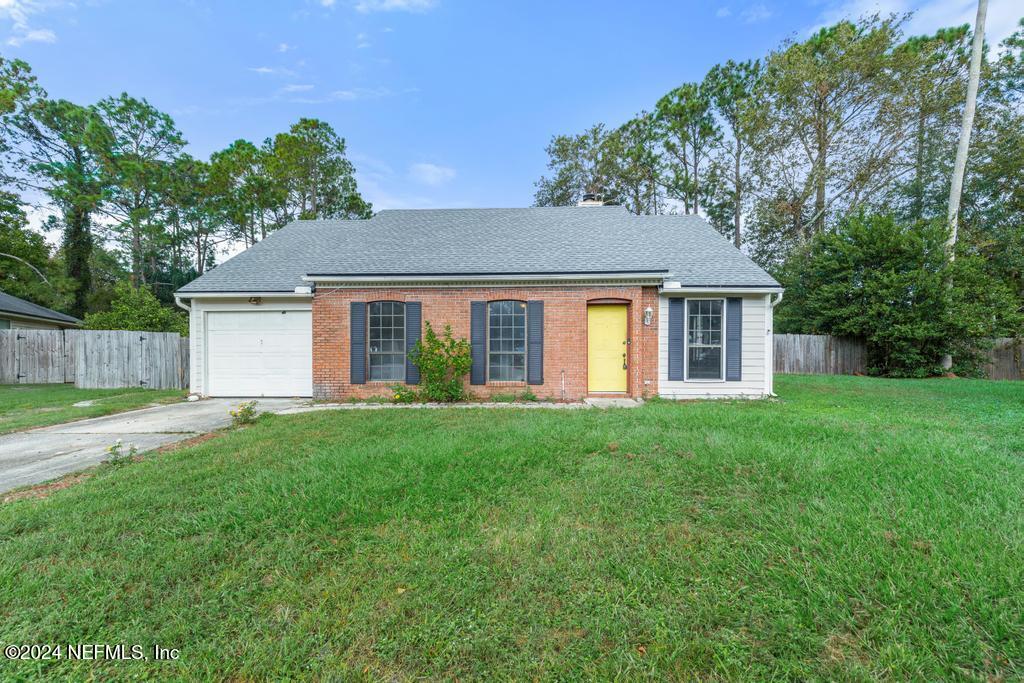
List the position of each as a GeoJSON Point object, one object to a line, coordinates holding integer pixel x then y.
{"type": "Point", "coordinates": [245, 414]}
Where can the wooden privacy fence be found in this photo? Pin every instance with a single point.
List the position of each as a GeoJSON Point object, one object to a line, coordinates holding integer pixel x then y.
{"type": "Point", "coordinates": [94, 359]}
{"type": "Point", "coordinates": [819, 354]}
{"type": "Point", "coordinates": [1005, 359]}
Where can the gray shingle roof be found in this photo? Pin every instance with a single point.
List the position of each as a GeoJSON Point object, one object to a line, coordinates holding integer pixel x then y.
{"type": "Point", "coordinates": [15, 306]}
{"type": "Point", "coordinates": [488, 241]}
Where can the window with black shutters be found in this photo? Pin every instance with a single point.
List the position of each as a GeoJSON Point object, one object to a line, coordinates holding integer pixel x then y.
{"type": "Point", "coordinates": [506, 341]}
{"type": "Point", "coordinates": [386, 348]}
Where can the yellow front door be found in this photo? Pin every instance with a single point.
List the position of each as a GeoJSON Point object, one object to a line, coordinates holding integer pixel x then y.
{"type": "Point", "coordinates": [606, 349]}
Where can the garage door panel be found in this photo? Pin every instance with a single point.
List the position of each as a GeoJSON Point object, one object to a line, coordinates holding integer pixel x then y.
{"type": "Point", "coordinates": [260, 353]}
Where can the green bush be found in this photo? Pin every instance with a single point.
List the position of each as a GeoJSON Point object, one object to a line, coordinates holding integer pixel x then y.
{"type": "Point", "coordinates": [139, 310]}
{"type": "Point", "coordinates": [443, 363]}
{"type": "Point", "coordinates": [892, 285]}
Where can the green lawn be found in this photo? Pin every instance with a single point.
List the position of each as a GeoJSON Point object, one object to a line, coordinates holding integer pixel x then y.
{"type": "Point", "coordinates": [853, 529]}
{"type": "Point", "coordinates": [24, 406]}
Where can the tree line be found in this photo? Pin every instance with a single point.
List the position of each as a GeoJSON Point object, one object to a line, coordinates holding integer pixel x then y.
{"type": "Point", "coordinates": [130, 205]}
{"type": "Point", "coordinates": [841, 141]}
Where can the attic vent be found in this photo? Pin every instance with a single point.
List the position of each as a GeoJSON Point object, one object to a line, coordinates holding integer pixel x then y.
{"type": "Point", "coordinates": [590, 199]}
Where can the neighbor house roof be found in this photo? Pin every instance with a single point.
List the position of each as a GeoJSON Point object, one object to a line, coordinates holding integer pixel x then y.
{"type": "Point", "coordinates": [467, 242]}
{"type": "Point", "coordinates": [12, 305]}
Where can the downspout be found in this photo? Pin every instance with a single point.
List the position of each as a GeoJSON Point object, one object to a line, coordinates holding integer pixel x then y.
{"type": "Point", "coordinates": [770, 341]}
{"type": "Point", "coordinates": [192, 396]}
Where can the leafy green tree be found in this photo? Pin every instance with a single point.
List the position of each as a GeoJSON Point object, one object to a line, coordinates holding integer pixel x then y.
{"type": "Point", "coordinates": [137, 308]}
{"type": "Point", "coordinates": [689, 132]}
{"type": "Point", "coordinates": [580, 164]}
{"type": "Point", "coordinates": [18, 89]}
{"type": "Point", "coordinates": [731, 87]}
{"type": "Point", "coordinates": [932, 72]}
{"type": "Point", "coordinates": [251, 190]}
{"type": "Point", "coordinates": [195, 215]}
{"type": "Point", "coordinates": [56, 147]}
{"type": "Point", "coordinates": [828, 129]}
{"type": "Point", "coordinates": [310, 163]}
{"type": "Point", "coordinates": [27, 270]}
{"type": "Point", "coordinates": [136, 150]}
{"type": "Point", "coordinates": [633, 151]}
{"type": "Point", "coordinates": [886, 282]}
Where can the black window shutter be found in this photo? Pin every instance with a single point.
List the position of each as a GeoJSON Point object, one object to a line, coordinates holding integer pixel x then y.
{"type": "Point", "coordinates": [535, 342]}
{"type": "Point", "coordinates": [478, 341]}
{"type": "Point", "coordinates": [357, 343]}
{"type": "Point", "coordinates": [733, 339]}
{"type": "Point", "coordinates": [413, 323]}
{"type": "Point", "coordinates": [676, 316]}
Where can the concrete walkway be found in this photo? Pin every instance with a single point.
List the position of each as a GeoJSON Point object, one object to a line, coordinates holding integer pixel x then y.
{"type": "Point", "coordinates": [43, 454]}
{"type": "Point", "coordinates": [39, 455]}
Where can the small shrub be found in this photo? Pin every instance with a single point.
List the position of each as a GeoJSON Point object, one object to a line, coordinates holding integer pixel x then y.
{"type": "Point", "coordinates": [503, 398]}
{"type": "Point", "coordinates": [245, 414]}
{"type": "Point", "coordinates": [528, 396]}
{"type": "Point", "coordinates": [443, 363]}
{"type": "Point", "coordinates": [403, 394]}
{"type": "Point", "coordinates": [118, 455]}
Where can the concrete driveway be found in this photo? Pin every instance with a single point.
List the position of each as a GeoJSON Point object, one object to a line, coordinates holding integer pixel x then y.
{"type": "Point", "coordinates": [39, 455]}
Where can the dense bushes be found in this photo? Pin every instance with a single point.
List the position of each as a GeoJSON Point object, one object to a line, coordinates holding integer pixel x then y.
{"type": "Point", "coordinates": [137, 309]}
{"type": "Point", "coordinates": [892, 285]}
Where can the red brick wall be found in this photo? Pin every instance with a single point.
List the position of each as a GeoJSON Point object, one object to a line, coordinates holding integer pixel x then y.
{"type": "Point", "coordinates": [565, 336]}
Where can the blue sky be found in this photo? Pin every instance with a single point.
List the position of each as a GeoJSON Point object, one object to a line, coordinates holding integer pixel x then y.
{"type": "Point", "coordinates": [442, 102]}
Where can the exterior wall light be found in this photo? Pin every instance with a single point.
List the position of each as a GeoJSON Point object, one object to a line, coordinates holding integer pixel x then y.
{"type": "Point", "coordinates": [255, 300]}
{"type": "Point", "coordinates": [648, 315]}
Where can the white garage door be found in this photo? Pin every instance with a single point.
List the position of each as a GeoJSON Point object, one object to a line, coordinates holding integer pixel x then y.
{"type": "Point", "coordinates": [259, 353]}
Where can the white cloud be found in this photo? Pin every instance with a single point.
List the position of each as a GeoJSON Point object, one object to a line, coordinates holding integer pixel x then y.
{"type": "Point", "coordinates": [285, 47]}
{"type": "Point", "coordinates": [297, 87]}
{"type": "Point", "coordinates": [362, 40]}
{"type": "Point", "coordinates": [755, 13]}
{"type": "Point", "coordinates": [34, 35]}
{"type": "Point", "coordinates": [930, 15]}
{"type": "Point", "coordinates": [20, 12]}
{"type": "Point", "coordinates": [723, 12]}
{"type": "Point", "coordinates": [349, 95]}
{"type": "Point", "coordinates": [327, 3]}
{"type": "Point", "coordinates": [431, 174]}
{"type": "Point", "coordinates": [271, 71]}
{"type": "Point", "coordinates": [367, 6]}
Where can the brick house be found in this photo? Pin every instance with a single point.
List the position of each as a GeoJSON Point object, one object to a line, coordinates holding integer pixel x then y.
{"type": "Point", "coordinates": [569, 302]}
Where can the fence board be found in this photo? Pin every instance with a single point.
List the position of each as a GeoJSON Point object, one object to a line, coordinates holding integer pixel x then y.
{"type": "Point", "coordinates": [819, 354]}
{"type": "Point", "coordinates": [8, 364]}
{"type": "Point", "coordinates": [1006, 359]}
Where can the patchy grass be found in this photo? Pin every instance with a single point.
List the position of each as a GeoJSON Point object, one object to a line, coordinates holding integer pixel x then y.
{"type": "Point", "coordinates": [854, 529]}
{"type": "Point", "coordinates": [25, 406]}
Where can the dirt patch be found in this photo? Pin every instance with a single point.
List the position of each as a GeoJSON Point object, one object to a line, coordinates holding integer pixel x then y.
{"type": "Point", "coordinates": [44, 490]}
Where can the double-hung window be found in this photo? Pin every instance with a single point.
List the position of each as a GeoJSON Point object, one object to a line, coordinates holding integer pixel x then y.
{"type": "Point", "coordinates": [386, 347]}
{"type": "Point", "coordinates": [704, 348]}
{"type": "Point", "coordinates": [506, 350]}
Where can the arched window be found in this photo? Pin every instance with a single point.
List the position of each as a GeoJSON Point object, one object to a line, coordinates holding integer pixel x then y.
{"type": "Point", "coordinates": [506, 341]}
{"type": "Point", "coordinates": [386, 345]}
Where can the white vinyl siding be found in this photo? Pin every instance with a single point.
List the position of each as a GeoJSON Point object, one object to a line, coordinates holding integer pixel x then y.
{"type": "Point", "coordinates": [756, 380]}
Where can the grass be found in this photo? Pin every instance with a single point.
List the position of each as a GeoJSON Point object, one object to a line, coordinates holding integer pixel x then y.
{"type": "Point", "coordinates": [25, 406]}
{"type": "Point", "coordinates": [855, 529]}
